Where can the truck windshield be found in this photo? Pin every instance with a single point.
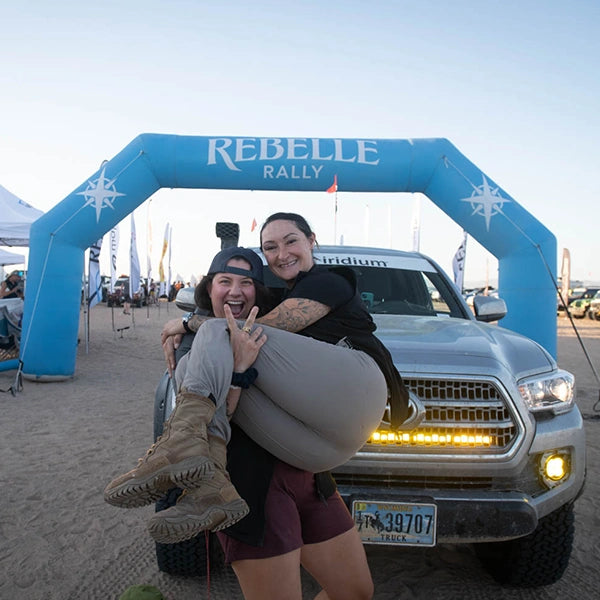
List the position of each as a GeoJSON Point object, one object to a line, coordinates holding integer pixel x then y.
{"type": "Point", "coordinates": [397, 291]}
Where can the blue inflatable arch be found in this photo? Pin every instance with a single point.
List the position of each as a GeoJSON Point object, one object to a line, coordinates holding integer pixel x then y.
{"type": "Point", "coordinates": [525, 249]}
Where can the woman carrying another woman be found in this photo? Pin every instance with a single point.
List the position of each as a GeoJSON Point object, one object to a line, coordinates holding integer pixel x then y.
{"type": "Point", "coordinates": [308, 401]}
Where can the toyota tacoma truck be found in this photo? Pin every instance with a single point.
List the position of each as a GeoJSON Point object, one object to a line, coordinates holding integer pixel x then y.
{"type": "Point", "coordinates": [493, 451]}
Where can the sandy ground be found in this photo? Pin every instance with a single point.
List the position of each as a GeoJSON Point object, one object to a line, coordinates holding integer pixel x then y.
{"type": "Point", "coordinates": [62, 442]}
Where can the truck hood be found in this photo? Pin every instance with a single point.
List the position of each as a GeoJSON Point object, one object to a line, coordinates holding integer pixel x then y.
{"type": "Point", "coordinates": [438, 345]}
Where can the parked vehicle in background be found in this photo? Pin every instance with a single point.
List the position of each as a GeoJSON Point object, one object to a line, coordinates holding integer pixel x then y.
{"type": "Point", "coordinates": [594, 308]}
{"type": "Point", "coordinates": [121, 292]}
{"type": "Point", "coordinates": [579, 307]}
{"type": "Point", "coordinates": [493, 451]}
{"type": "Point", "coordinates": [574, 294]}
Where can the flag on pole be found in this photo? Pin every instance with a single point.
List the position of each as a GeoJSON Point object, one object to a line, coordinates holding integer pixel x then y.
{"type": "Point", "coordinates": [169, 278]}
{"type": "Point", "coordinates": [94, 279]}
{"type": "Point", "coordinates": [254, 224]}
{"type": "Point", "coordinates": [458, 263]}
{"type": "Point", "coordinates": [134, 262]}
{"type": "Point", "coordinates": [333, 187]}
{"type": "Point", "coordinates": [415, 225]}
{"type": "Point", "coordinates": [149, 247]}
{"type": "Point", "coordinates": [161, 269]}
{"type": "Point", "coordinates": [565, 274]}
{"type": "Point", "coordinates": [114, 246]}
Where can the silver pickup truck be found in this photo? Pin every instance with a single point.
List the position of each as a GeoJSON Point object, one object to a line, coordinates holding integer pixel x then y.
{"type": "Point", "coordinates": [493, 452]}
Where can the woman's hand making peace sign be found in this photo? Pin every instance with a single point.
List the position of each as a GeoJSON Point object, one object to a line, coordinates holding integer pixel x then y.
{"type": "Point", "coordinates": [245, 343]}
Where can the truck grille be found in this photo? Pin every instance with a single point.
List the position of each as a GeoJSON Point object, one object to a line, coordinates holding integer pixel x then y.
{"type": "Point", "coordinates": [459, 416]}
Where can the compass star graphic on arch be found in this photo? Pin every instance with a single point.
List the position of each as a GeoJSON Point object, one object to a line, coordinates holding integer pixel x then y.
{"type": "Point", "coordinates": [100, 193]}
{"type": "Point", "coordinates": [486, 201]}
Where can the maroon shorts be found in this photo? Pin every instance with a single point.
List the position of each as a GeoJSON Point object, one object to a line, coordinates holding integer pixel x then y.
{"type": "Point", "coordinates": [295, 516]}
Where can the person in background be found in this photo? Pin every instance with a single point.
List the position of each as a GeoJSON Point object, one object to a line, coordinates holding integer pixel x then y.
{"type": "Point", "coordinates": [12, 286]}
{"type": "Point", "coordinates": [126, 298]}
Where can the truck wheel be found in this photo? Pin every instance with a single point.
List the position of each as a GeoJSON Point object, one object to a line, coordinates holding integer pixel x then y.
{"type": "Point", "coordinates": [537, 559]}
{"type": "Point", "coordinates": [189, 558]}
{"type": "Point", "coordinates": [161, 397]}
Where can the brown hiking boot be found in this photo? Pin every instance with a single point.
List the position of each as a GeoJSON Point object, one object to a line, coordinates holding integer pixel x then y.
{"type": "Point", "coordinates": [180, 456]}
{"type": "Point", "coordinates": [214, 506]}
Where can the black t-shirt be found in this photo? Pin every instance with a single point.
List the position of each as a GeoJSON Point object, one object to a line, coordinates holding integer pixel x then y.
{"type": "Point", "coordinates": [336, 288]}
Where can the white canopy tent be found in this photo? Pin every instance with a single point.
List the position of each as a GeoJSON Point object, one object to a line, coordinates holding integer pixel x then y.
{"type": "Point", "coordinates": [16, 217]}
{"type": "Point", "coordinates": [11, 258]}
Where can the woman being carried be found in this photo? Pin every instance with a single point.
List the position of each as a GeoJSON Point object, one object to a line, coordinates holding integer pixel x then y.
{"type": "Point", "coordinates": [306, 400]}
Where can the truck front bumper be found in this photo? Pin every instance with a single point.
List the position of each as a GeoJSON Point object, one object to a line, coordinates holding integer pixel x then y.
{"type": "Point", "coordinates": [462, 517]}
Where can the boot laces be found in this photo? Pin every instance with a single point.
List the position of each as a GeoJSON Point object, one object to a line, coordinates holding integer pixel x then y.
{"type": "Point", "coordinates": [150, 451]}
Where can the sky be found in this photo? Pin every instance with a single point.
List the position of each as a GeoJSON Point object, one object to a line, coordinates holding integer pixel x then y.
{"type": "Point", "coordinates": [513, 84]}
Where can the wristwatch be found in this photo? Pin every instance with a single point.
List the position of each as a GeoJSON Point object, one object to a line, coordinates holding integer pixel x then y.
{"type": "Point", "coordinates": [185, 320]}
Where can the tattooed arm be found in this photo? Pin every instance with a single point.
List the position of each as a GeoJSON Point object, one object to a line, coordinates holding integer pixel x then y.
{"type": "Point", "coordinates": [295, 314]}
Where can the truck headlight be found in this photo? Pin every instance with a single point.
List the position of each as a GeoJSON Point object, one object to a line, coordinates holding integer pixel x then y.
{"type": "Point", "coordinates": [554, 392]}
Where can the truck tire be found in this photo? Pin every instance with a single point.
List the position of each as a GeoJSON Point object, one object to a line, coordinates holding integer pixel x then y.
{"type": "Point", "coordinates": [164, 389]}
{"type": "Point", "coordinates": [189, 558]}
{"type": "Point", "coordinates": [161, 396]}
{"type": "Point", "coordinates": [535, 560]}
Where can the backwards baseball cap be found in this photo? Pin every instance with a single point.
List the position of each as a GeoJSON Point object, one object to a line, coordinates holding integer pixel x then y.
{"type": "Point", "coordinates": [219, 263]}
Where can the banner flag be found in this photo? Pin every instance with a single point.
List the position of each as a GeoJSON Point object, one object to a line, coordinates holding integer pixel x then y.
{"type": "Point", "coordinates": [415, 225]}
{"type": "Point", "coordinates": [161, 269]}
{"type": "Point", "coordinates": [114, 247]}
{"type": "Point", "coordinates": [458, 263]}
{"type": "Point", "coordinates": [134, 262]}
{"type": "Point", "coordinates": [333, 187]}
{"type": "Point", "coordinates": [94, 279]}
{"type": "Point", "coordinates": [254, 225]}
{"type": "Point", "coordinates": [149, 247]}
{"type": "Point", "coordinates": [169, 277]}
{"type": "Point", "coordinates": [565, 274]}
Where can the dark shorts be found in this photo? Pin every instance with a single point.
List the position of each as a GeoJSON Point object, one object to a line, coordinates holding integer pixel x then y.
{"type": "Point", "coordinates": [295, 516]}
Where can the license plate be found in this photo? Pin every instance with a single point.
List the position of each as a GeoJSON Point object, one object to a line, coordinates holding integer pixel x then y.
{"type": "Point", "coordinates": [395, 523]}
